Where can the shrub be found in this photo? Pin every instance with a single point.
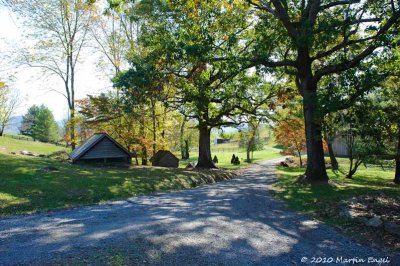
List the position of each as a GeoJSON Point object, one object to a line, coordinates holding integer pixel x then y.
{"type": "Point", "coordinates": [215, 159]}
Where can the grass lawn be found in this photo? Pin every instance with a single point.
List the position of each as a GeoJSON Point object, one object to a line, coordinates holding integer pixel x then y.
{"type": "Point", "coordinates": [224, 158]}
{"type": "Point", "coordinates": [307, 198]}
{"type": "Point", "coordinates": [8, 145]}
{"type": "Point", "coordinates": [24, 187]}
{"type": "Point", "coordinates": [321, 200]}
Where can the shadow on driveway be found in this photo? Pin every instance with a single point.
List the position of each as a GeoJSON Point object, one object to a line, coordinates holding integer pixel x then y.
{"type": "Point", "coordinates": [235, 222]}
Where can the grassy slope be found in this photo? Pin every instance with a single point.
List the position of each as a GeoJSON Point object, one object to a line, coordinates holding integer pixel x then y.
{"type": "Point", "coordinates": [8, 145]}
{"type": "Point", "coordinates": [313, 199]}
{"type": "Point", "coordinates": [26, 188]}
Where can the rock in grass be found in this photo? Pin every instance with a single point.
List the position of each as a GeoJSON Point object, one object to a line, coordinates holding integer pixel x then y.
{"type": "Point", "coordinates": [27, 153]}
{"type": "Point", "coordinates": [284, 164]}
{"type": "Point", "coordinates": [191, 165]}
{"type": "Point", "coordinates": [362, 219]}
{"type": "Point", "coordinates": [49, 169]}
{"type": "Point", "coordinates": [375, 221]}
{"type": "Point", "coordinates": [347, 213]}
{"type": "Point", "coordinates": [392, 228]}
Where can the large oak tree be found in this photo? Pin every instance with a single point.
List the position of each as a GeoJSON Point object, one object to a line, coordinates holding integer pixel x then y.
{"type": "Point", "coordinates": [185, 38]}
{"type": "Point", "coordinates": [314, 39]}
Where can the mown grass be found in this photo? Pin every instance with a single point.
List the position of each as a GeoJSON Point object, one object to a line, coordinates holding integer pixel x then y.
{"type": "Point", "coordinates": [224, 158]}
{"type": "Point", "coordinates": [26, 187]}
{"type": "Point", "coordinates": [8, 145]}
{"type": "Point", "coordinates": [321, 201]}
{"type": "Point", "coordinates": [314, 199]}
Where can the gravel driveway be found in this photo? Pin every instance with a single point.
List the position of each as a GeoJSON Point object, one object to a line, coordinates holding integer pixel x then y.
{"type": "Point", "coordinates": [235, 222]}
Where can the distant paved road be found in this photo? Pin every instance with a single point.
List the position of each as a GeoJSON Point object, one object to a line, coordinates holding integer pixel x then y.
{"type": "Point", "coordinates": [235, 222]}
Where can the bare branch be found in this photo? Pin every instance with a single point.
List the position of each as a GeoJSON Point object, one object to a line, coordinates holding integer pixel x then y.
{"type": "Point", "coordinates": [338, 3]}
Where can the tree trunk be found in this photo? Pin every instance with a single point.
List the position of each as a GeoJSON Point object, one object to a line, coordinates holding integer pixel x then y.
{"type": "Point", "coordinates": [250, 145]}
{"type": "Point", "coordinates": [350, 167]}
{"type": "Point", "coordinates": [248, 159]}
{"type": "Point", "coordinates": [205, 160]}
{"type": "Point", "coordinates": [153, 118]}
{"type": "Point", "coordinates": [397, 174]}
{"type": "Point", "coordinates": [72, 130]}
{"type": "Point", "coordinates": [144, 155]}
{"type": "Point", "coordinates": [186, 155]}
{"type": "Point", "coordinates": [301, 160]}
{"type": "Point", "coordinates": [182, 142]}
{"type": "Point", "coordinates": [316, 170]}
{"type": "Point", "coordinates": [249, 149]}
{"type": "Point", "coordinates": [352, 170]}
{"type": "Point", "coordinates": [136, 159]}
{"type": "Point", "coordinates": [144, 149]}
{"type": "Point", "coordinates": [332, 157]}
{"type": "Point", "coordinates": [72, 100]}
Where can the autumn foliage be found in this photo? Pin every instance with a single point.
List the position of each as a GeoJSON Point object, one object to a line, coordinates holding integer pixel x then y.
{"type": "Point", "coordinates": [290, 133]}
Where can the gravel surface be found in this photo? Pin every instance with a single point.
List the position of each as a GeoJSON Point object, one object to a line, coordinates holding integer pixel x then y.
{"type": "Point", "coordinates": [235, 222]}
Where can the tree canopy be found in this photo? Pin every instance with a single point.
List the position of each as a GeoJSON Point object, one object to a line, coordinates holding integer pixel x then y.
{"type": "Point", "coordinates": [314, 40]}
{"type": "Point", "coordinates": [39, 123]}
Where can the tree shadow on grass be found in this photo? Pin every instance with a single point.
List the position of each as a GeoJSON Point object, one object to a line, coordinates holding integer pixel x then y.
{"type": "Point", "coordinates": [230, 223]}
{"type": "Point", "coordinates": [26, 187]}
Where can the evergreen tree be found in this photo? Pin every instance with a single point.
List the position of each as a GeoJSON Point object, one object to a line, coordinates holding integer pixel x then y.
{"type": "Point", "coordinates": [28, 122]}
{"type": "Point", "coordinates": [39, 123]}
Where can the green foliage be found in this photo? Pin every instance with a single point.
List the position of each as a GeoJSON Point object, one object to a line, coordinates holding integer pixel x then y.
{"type": "Point", "coordinates": [28, 121]}
{"type": "Point", "coordinates": [249, 137]}
{"type": "Point", "coordinates": [215, 159]}
{"type": "Point", "coordinates": [235, 160]}
{"type": "Point", "coordinates": [175, 62]}
{"type": "Point", "coordinates": [316, 41]}
{"type": "Point", "coordinates": [39, 123]}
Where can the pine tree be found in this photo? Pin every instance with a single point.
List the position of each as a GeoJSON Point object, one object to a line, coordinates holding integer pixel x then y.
{"type": "Point", "coordinates": [39, 123]}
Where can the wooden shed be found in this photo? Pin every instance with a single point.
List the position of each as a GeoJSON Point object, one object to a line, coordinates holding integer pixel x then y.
{"type": "Point", "coordinates": [101, 148]}
{"type": "Point", "coordinates": [340, 145]}
{"type": "Point", "coordinates": [165, 159]}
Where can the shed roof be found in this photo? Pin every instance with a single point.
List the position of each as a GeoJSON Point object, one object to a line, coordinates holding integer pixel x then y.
{"type": "Point", "coordinates": [160, 154]}
{"type": "Point", "coordinates": [90, 143]}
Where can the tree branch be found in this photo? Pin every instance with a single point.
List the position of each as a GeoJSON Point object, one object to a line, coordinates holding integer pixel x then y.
{"type": "Point", "coordinates": [267, 8]}
{"type": "Point", "coordinates": [337, 68]}
{"type": "Point", "coordinates": [285, 19]}
{"type": "Point", "coordinates": [338, 3]}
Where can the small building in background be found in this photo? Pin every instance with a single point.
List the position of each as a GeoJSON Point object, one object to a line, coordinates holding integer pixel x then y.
{"type": "Point", "coordinates": [221, 141]}
{"type": "Point", "coordinates": [165, 159]}
{"type": "Point", "coordinates": [101, 148]}
{"type": "Point", "coordinates": [340, 145]}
